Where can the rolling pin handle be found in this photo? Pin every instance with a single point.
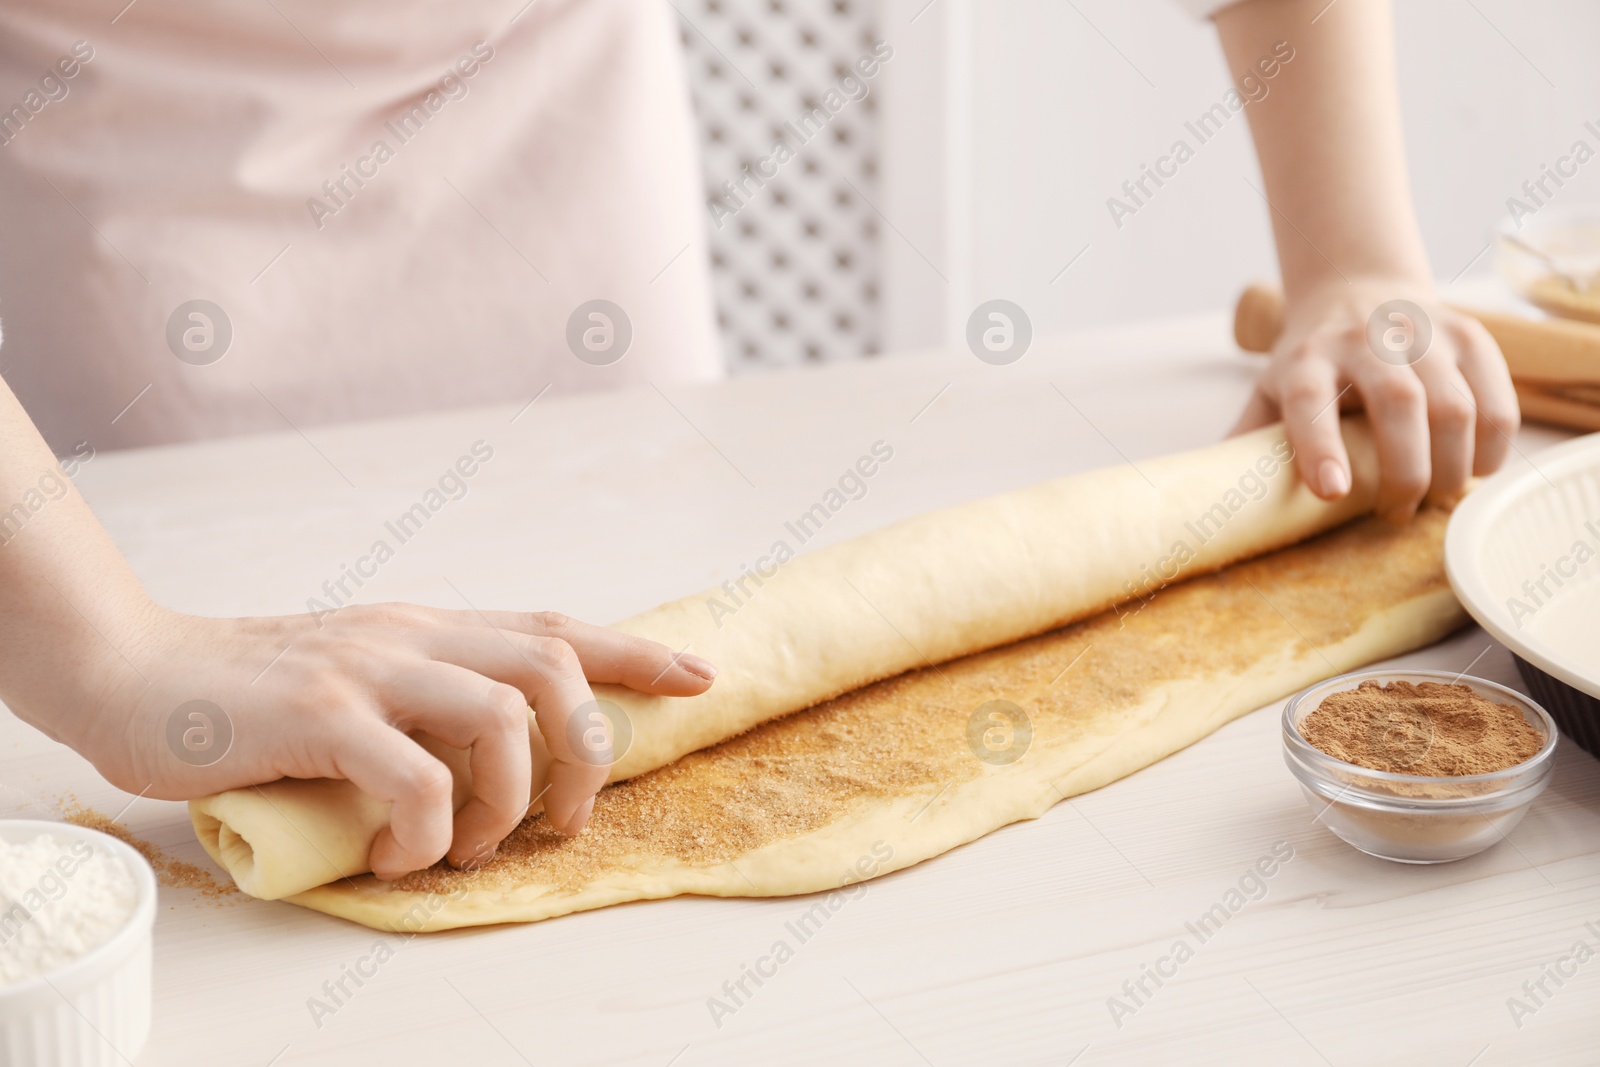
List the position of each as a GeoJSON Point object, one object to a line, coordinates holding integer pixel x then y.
{"type": "Point", "coordinates": [1258, 318]}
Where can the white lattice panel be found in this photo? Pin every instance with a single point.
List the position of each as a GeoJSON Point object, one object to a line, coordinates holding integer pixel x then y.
{"type": "Point", "coordinates": [794, 256]}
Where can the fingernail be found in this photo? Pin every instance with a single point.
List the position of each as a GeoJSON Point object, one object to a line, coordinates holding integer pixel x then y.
{"type": "Point", "coordinates": [1335, 483]}
{"type": "Point", "coordinates": [697, 666]}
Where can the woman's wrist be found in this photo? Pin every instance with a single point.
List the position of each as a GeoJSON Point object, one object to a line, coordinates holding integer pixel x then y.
{"type": "Point", "coordinates": [1313, 301]}
{"type": "Point", "coordinates": [80, 694]}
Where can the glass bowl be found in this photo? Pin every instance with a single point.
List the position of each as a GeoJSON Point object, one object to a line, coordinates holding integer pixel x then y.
{"type": "Point", "coordinates": [1412, 818]}
{"type": "Point", "coordinates": [1552, 258]}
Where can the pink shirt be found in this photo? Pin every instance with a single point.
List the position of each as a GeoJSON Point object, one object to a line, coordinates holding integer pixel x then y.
{"type": "Point", "coordinates": [395, 205]}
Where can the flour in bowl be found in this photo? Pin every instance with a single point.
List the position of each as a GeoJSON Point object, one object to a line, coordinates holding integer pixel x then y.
{"type": "Point", "coordinates": [59, 899]}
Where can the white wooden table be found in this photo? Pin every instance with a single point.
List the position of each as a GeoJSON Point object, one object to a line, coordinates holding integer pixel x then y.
{"type": "Point", "coordinates": [1005, 951]}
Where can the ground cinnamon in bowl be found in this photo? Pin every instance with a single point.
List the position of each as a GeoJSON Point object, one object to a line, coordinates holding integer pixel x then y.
{"type": "Point", "coordinates": [1418, 766]}
{"type": "Point", "coordinates": [1431, 729]}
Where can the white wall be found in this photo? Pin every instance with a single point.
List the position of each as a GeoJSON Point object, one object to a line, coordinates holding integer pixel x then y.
{"type": "Point", "coordinates": [1008, 123]}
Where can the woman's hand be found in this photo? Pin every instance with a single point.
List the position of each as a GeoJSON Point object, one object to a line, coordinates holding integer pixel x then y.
{"type": "Point", "coordinates": [338, 697]}
{"type": "Point", "coordinates": [1432, 381]}
{"type": "Point", "coordinates": [177, 706]}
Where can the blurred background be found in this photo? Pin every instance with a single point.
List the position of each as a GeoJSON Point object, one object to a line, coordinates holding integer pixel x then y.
{"type": "Point", "coordinates": [979, 163]}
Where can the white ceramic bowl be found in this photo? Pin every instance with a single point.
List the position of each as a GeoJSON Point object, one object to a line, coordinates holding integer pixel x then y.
{"type": "Point", "coordinates": [1513, 555]}
{"type": "Point", "coordinates": [95, 1010]}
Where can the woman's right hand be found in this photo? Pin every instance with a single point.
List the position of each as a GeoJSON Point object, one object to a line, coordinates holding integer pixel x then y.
{"type": "Point", "coordinates": [87, 657]}
{"type": "Point", "coordinates": [336, 696]}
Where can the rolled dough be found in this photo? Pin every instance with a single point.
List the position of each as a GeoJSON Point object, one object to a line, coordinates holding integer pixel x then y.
{"type": "Point", "coordinates": [920, 592]}
{"type": "Point", "coordinates": [891, 774]}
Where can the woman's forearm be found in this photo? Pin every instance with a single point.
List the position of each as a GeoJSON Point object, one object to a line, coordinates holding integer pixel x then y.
{"type": "Point", "coordinates": [66, 594]}
{"type": "Point", "coordinates": [1329, 140]}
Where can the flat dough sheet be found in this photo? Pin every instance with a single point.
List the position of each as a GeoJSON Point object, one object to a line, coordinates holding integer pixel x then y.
{"type": "Point", "coordinates": [890, 775]}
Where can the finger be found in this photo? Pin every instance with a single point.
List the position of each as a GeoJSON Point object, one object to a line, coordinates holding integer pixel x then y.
{"type": "Point", "coordinates": [1397, 408]}
{"type": "Point", "coordinates": [467, 710]}
{"type": "Point", "coordinates": [1308, 393]}
{"type": "Point", "coordinates": [547, 672]}
{"type": "Point", "coordinates": [608, 655]}
{"type": "Point", "coordinates": [1259, 411]}
{"type": "Point", "coordinates": [611, 656]}
{"type": "Point", "coordinates": [385, 764]}
{"type": "Point", "coordinates": [1484, 369]}
{"type": "Point", "coordinates": [1452, 418]}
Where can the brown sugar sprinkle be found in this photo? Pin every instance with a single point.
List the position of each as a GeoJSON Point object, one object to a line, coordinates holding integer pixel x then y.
{"type": "Point", "coordinates": [170, 872]}
{"type": "Point", "coordinates": [1429, 728]}
{"type": "Point", "coordinates": [907, 736]}
{"type": "Point", "coordinates": [713, 806]}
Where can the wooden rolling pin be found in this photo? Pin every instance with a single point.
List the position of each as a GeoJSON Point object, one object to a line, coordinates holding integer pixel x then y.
{"type": "Point", "coordinates": [1555, 363]}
